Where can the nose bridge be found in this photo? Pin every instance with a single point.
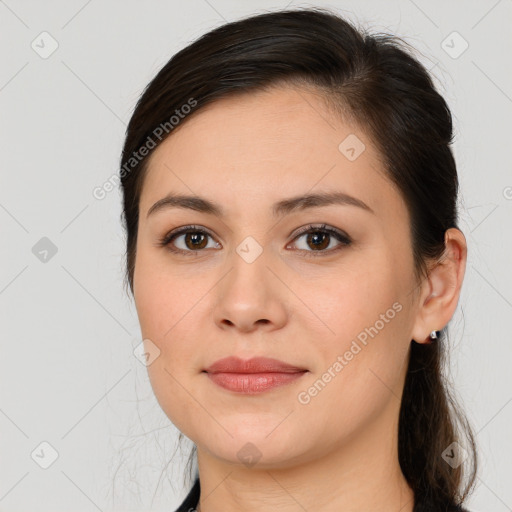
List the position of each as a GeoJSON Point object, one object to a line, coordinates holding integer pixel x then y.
{"type": "Point", "coordinates": [249, 262]}
{"type": "Point", "coordinates": [249, 293]}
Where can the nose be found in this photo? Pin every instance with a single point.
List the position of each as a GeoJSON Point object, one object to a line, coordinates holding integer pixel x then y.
{"type": "Point", "coordinates": [251, 296]}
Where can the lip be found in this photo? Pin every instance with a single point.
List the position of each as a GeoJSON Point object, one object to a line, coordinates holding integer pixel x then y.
{"type": "Point", "coordinates": [252, 376]}
{"type": "Point", "coordinates": [253, 365]}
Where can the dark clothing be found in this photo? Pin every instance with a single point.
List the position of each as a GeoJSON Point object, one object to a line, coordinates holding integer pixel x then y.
{"type": "Point", "coordinates": [192, 500]}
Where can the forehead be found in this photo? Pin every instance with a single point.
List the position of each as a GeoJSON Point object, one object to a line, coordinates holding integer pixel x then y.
{"type": "Point", "coordinates": [259, 147]}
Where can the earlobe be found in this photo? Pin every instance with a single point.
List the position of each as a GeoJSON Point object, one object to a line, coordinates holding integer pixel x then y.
{"type": "Point", "coordinates": [442, 288]}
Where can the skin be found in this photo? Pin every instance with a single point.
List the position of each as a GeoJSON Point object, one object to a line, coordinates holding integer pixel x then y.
{"type": "Point", "coordinates": [339, 451]}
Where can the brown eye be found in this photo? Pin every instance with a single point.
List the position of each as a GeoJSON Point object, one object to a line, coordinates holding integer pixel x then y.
{"type": "Point", "coordinates": [318, 239]}
{"type": "Point", "coordinates": [195, 240]}
{"type": "Point", "coordinates": [188, 240]}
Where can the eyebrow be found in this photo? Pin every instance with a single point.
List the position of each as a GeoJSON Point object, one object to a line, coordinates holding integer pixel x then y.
{"type": "Point", "coordinates": [281, 208]}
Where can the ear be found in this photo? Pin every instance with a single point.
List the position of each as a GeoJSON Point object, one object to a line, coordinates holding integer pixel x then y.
{"type": "Point", "coordinates": [440, 290]}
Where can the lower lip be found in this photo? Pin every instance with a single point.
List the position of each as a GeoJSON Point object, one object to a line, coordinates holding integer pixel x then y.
{"type": "Point", "coordinates": [253, 383]}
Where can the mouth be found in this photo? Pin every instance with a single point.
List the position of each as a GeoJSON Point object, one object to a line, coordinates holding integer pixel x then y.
{"type": "Point", "coordinates": [253, 383]}
{"type": "Point", "coordinates": [254, 365]}
{"type": "Point", "coordinates": [252, 376]}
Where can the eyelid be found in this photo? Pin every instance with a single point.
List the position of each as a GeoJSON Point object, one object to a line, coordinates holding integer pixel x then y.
{"type": "Point", "coordinates": [320, 227]}
{"type": "Point", "coordinates": [184, 230]}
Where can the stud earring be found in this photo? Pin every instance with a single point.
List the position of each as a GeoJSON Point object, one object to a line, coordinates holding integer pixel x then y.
{"type": "Point", "coordinates": [433, 335]}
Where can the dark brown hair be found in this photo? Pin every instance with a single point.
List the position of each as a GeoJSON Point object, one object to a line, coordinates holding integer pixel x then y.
{"type": "Point", "coordinates": [375, 81]}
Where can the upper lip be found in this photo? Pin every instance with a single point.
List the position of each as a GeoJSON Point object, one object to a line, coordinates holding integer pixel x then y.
{"type": "Point", "coordinates": [253, 365]}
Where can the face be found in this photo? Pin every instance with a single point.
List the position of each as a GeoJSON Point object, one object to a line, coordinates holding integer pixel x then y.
{"type": "Point", "coordinates": [255, 280]}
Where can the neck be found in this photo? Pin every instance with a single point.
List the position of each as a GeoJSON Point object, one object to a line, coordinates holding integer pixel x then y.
{"type": "Point", "coordinates": [362, 474]}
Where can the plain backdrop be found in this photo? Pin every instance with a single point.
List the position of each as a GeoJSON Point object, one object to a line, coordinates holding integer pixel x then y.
{"type": "Point", "coordinates": [73, 396]}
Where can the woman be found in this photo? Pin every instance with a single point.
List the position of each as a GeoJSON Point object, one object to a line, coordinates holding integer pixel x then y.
{"type": "Point", "coordinates": [293, 252]}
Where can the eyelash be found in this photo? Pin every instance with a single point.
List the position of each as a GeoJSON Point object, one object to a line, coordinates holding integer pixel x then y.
{"type": "Point", "coordinates": [339, 235]}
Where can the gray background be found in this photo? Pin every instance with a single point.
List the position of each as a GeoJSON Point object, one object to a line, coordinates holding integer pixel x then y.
{"type": "Point", "coordinates": [68, 373]}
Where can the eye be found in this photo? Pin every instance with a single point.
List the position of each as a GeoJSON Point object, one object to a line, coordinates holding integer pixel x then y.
{"type": "Point", "coordinates": [190, 240]}
{"type": "Point", "coordinates": [193, 240]}
{"type": "Point", "coordinates": [321, 238]}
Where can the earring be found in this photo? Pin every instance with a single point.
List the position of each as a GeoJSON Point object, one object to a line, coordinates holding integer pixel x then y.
{"type": "Point", "coordinates": [433, 335]}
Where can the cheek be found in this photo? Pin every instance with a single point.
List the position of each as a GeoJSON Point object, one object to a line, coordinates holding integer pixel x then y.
{"type": "Point", "coordinates": [167, 305]}
{"type": "Point", "coordinates": [363, 346]}
{"type": "Point", "coordinates": [162, 313]}
{"type": "Point", "coordinates": [158, 295]}
{"type": "Point", "coordinates": [349, 303]}
{"type": "Point", "coordinates": [165, 315]}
